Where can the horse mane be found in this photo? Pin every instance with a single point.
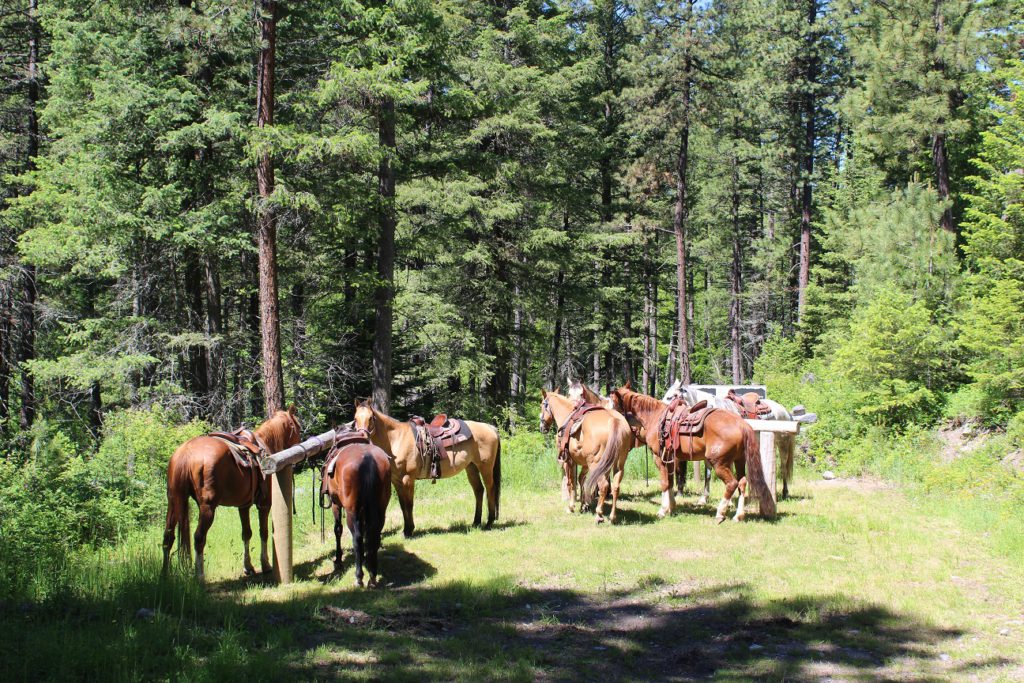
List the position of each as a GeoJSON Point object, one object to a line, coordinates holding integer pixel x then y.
{"type": "Point", "coordinates": [636, 402]}
{"type": "Point", "coordinates": [278, 431]}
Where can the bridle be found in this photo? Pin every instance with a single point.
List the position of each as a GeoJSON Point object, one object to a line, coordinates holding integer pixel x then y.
{"type": "Point", "coordinates": [545, 415]}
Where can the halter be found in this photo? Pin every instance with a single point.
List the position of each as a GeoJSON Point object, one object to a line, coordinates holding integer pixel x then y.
{"type": "Point", "coordinates": [545, 409]}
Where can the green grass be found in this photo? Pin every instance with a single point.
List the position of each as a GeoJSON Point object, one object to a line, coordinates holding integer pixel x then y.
{"type": "Point", "coordinates": [855, 580]}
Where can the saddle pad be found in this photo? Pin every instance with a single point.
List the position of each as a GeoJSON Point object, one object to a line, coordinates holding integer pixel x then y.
{"type": "Point", "coordinates": [244, 456]}
{"type": "Point", "coordinates": [572, 426]}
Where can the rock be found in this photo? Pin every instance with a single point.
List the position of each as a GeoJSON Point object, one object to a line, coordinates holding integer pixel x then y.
{"type": "Point", "coordinates": [828, 475]}
{"type": "Point", "coordinates": [145, 614]}
{"type": "Point", "coordinates": [944, 657]}
{"type": "Point", "coordinates": [1004, 631]}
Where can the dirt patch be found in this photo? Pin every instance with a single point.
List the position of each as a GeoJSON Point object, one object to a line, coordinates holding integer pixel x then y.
{"type": "Point", "coordinates": [865, 483]}
{"type": "Point", "coordinates": [684, 555]}
{"type": "Point", "coordinates": [959, 438]}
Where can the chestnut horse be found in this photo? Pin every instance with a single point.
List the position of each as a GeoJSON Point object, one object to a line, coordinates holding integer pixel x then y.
{"type": "Point", "coordinates": [480, 457]}
{"type": "Point", "coordinates": [204, 470]}
{"type": "Point", "coordinates": [358, 479]}
{"type": "Point", "coordinates": [724, 441]}
{"type": "Point", "coordinates": [601, 446]}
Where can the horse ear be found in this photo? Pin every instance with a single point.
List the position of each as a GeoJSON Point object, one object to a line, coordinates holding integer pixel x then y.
{"type": "Point", "coordinates": [543, 393]}
{"type": "Point", "coordinates": [629, 384]}
{"type": "Point", "coordinates": [291, 410]}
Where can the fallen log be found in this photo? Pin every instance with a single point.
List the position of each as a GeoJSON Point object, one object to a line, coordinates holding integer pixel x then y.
{"type": "Point", "coordinates": [290, 456]}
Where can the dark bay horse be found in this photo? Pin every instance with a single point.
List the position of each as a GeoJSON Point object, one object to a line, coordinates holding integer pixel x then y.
{"type": "Point", "coordinates": [480, 457]}
{"type": "Point", "coordinates": [725, 441]}
{"type": "Point", "coordinates": [204, 469]}
{"type": "Point", "coordinates": [357, 478]}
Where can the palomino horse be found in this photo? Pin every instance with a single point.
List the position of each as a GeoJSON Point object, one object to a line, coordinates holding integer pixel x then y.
{"type": "Point", "coordinates": [480, 457]}
{"type": "Point", "coordinates": [724, 441]}
{"type": "Point", "coordinates": [204, 469]}
{"type": "Point", "coordinates": [601, 446]}
{"type": "Point", "coordinates": [357, 478]}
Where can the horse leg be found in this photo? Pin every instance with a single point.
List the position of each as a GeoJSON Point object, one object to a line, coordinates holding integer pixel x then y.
{"type": "Point", "coordinates": [785, 444]}
{"type": "Point", "coordinates": [243, 515]}
{"type": "Point", "coordinates": [406, 491]}
{"type": "Point", "coordinates": [492, 494]}
{"type": "Point", "coordinates": [570, 483]}
{"type": "Point", "coordinates": [356, 528]}
{"type": "Point", "coordinates": [616, 484]}
{"type": "Point", "coordinates": [602, 495]}
{"type": "Point", "coordinates": [473, 474]}
{"type": "Point", "coordinates": [668, 500]}
{"type": "Point", "coordinates": [703, 500]}
{"type": "Point", "coordinates": [206, 512]}
{"type": "Point", "coordinates": [336, 511]}
{"type": "Point", "coordinates": [681, 477]}
{"type": "Point", "coordinates": [741, 512]}
{"type": "Point", "coordinates": [726, 475]}
{"type": "Point", "coordinates": [169, 525]}
{"type": "Point", "coordinates": [264, 513]}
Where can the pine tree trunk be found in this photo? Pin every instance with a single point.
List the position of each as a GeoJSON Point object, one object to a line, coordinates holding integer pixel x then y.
{"type": "Point", "coordinates": [680, 222]}
{"type": "Point", "coordinates": [27, 342]}
{"type": "Point", "coordinates": [940, 161]}
{"type": "Point", "coordinates": [556, 338]}
{"type": "Point", "coordinates": [735, 284]}
{"type": "Point", "coordinates": [215, 332]}
{"type": "Point", "coordinates": [198, 369]}
{"type": "Point", "coordinates": [266, 227]}
{"type": "Point", "coordinates": [385, 293]}
{"type": "Point", "coordinates": [5, 366]}
{"type": "Point", "coordinates": [810, 77]}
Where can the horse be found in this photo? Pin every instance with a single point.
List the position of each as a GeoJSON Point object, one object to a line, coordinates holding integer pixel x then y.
{"type": "Point", "coordinates": [205, 470]}
{"type": "Point", "coordinates": [357, 478]}
{"type": "Point", "coordinates": [725, 440]}
{"type": "Point", "coordinates": [480, 457]}
{"type": "Point", "coordinates": [692, 397]}
{"type": "Point", "coordinates": [601, 446]}
{"type": "Point", "coordinates": [785, 444]}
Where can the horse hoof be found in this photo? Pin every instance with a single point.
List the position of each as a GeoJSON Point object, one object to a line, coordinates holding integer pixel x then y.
{"type": "Point", "coordinates": [719, 518]}
{"type": "Point", "coordinates": [248, 571]}
{"type": "Point", "coordinates": [662, 513]}
{"type": "Point", "coordinates": [739, 518]}
{"type": "Point", "coordinates": [599, 520]}
{"type": "Point", "coordinates": [703, 500]}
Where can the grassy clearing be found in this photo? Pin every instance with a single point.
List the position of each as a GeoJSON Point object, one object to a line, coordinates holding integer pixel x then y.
{"type": "Point", "coordinates": [854, 581]}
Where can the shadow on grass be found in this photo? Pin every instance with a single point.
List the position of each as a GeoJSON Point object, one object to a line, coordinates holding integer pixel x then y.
{"type": "Point", "coordinates": [462, 528]}
{"type": "Point", "coordinates": [461, 630]}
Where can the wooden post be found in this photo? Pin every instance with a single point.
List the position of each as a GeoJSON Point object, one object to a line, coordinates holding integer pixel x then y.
{"type": "Point", "coordinates": [768, 460]}
{"type": "Point", "coordinates": [281, 513]}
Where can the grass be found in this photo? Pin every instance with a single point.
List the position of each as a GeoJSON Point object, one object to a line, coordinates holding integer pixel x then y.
{"type": "Point", "coordinates": [855, 580]}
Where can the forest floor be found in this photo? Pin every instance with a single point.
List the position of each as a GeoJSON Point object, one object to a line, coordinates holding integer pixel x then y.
{"type": "Point", "coordinates": [855, 580]}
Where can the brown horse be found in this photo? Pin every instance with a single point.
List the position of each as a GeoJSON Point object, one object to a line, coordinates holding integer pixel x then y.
{"type": "Point", "coordinates": [357, 478]}
{"type": "Point", "coordinates": [480, 457]}
{"type": "Point", "coordinates": [204, 469]}
{"type": "Point", "coordinates": [725, 441]}
{"type": "Point", "coordinates": [601, 446]}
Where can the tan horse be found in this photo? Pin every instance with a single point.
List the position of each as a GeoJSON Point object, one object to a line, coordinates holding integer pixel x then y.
{"type": "Point", "coordinates": [480, 457]}
{"type": "Point", "coordinates": [601, 446]}
{"type": "Point", "coordinates": [204, 470]}
{"type": "Point", "coordinates": [725, 441]}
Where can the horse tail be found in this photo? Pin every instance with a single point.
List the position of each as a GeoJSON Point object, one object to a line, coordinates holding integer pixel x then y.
{"type": "Point", "coordinates": [605, 464]}
{"type": "Point", "coordinates": [752, 453]}
{"type": "Point", "coordinates": [497, 480]}
{"type": "Point", "coordinates": [179, 483]}
{"type": "Point", "coordinates": [368, 512]}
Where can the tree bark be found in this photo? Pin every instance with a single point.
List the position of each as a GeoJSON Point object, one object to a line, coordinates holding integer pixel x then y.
{"type": "Point", "coordinates": [385, 291]}
{"type": "Point", "coordinates": [680, 218]}
{"type": "Point", "coordinates": [735, 272]}
{"type": "Point", "coordinates": [810, 78]}
{"type": "Point", "coordinates": [27, 342]}
{"type": "Point", "coordinates": [214, 330]}
{"type": "Point", "coordinates": [556, 338]}
{"type": "Point", "coordinates": [266, 220]}
{"type": "Point", "coordinates": [198, 368]}
{"type": "Point", "coordinates": [940, 158]}
{"type": "Point", "coordinates": [5, 366]}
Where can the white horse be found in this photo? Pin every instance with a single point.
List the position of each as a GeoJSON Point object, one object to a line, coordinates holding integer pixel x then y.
{"type": "Point", "coordinates": [785, 444]}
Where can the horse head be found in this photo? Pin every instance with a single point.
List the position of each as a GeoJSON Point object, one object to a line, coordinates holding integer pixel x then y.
{"type": "Point", "coordinates": [674, 391]}
{"type": "Point", "coordinates": [366, 416]}
{"type": "Point", "coordinates": [547, 418]}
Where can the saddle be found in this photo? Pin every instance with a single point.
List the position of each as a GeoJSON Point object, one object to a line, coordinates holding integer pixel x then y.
{"type": "Point", "coordinates": [751, 405]}
{"type": "Point", "coordinates": [244, 445]}
{"type": "Point", "coordinates": [437, 438]}
{"type": "Point", "coordinates": [572, 426]}
{"type": "Point", "coordinates": [681, 420]}
{"type": "Point", "coordinates": [344, 436]}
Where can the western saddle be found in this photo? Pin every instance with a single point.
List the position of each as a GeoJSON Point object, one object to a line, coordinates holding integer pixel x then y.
{"type": "Point", "coordinates": [344, 436]}
{"type": "Point", "coordinates": [436, 438]}
{"type": "Point", "coordinates": [751, 405]}
{"type": "Point", "coordinates": [678, 421]}
{"type": "Point", "coordinates": [245, 446]}
{"type": "Point", "coordinates": [572, 426]}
